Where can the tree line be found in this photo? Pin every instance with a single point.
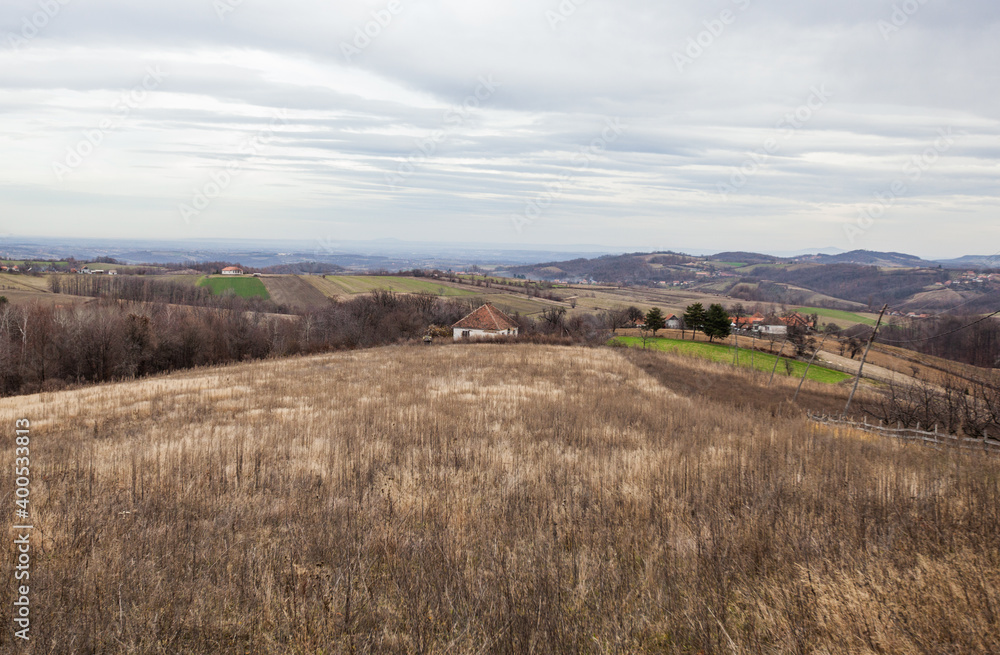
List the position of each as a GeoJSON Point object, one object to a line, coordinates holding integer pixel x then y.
{"type": "Point", "coordinates": [960, 338]}
{"type": "Point", "coordinates": [139, 288]}
{"type": "Point", "coordinates": [713, 322]}
{"type": "Point", "coordinates": [46, 348]}
{"type": "Point", "coordinates": [969, 407]}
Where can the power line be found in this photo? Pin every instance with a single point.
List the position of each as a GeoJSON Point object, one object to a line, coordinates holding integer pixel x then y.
{"type": "Point", "coordinates": [938, 336]}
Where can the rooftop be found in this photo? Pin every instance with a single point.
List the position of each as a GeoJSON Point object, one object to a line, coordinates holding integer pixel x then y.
{"type": "Point", "coordinates": [486, 317]}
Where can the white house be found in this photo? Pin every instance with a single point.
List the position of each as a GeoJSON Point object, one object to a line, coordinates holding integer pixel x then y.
{"type": "Point", "coordinates": [487, 322]}
{"type": "Point", "coordinates": [774, 329]}
{"type": "Point", "coordinates": [232, 270]}
{"type": "Point", "coordinates": [672, 322]}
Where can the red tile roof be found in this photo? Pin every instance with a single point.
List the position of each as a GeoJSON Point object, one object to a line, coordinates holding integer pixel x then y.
{"type": "Point", "coordinates": [486, 317]}
{"type": "Point", "coordinates": [796, 319]}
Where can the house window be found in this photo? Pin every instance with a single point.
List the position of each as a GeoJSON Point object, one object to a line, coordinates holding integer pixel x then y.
{"type": "Point", "coordinates": [466, 333]}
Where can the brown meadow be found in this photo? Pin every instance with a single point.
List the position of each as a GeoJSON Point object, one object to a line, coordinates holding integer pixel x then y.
{"type": "Point", "coordinates": [511, 499]}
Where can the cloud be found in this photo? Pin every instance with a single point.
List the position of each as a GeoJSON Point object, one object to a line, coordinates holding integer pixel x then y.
{"type": "Point", "coordinates": [373, 88]}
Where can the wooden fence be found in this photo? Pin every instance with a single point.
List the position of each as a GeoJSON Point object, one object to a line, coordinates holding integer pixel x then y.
{"type": "Point", "coordinates": [933, 439]}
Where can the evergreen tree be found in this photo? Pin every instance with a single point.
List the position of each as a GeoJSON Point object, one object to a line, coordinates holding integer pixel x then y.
{"type": "Point", "coordinates": [717, 323]}
{"type": "Point", "coordinates": [655, 320]}
{"type": "Point", "coordinates": [694, 317]}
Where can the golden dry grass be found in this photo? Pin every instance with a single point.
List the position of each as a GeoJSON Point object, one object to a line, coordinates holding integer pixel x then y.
{"type": "Point", "coordinates": [492, 499]}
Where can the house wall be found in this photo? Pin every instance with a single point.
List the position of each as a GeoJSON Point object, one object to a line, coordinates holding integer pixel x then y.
{"type": "Point", "coordinates": [774, 329]}
{"type": "Point", "coordinates": [459, 334]}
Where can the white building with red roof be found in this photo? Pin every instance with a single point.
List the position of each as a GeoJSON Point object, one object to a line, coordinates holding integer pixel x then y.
{"type": "Point", "coordinates": [232, 270]}
{"type": "Point", "coordinates": [487, 322]}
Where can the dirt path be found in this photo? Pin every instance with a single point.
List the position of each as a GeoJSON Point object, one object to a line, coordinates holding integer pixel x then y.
{"type": "Point", "coordinates": [872, 371]}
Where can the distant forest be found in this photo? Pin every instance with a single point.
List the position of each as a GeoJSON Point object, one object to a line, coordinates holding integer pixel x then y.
{"type": "Point", "coordinates": [865, 284]}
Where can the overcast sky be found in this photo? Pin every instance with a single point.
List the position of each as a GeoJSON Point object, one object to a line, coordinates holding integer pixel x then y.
{"type": "Point", "coordinates": [751, 124]}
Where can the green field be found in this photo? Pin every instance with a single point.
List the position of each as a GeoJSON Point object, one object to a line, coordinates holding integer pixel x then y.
{"type": "Point", "coordinates": [244, 287]}
{"type": "Point", "coordinates": [718, 352]}
{"type": "Point", "coordinates": [366, 283]}
{"type": "Point", "coordinates": [838, 315]}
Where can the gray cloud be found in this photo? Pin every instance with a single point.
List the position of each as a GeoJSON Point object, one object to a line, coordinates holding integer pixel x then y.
{"type": "Point", "coordinates": [404, 100]}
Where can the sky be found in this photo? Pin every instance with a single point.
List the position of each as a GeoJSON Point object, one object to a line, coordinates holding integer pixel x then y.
{"type": "Point", "coordinates": [637, 124]}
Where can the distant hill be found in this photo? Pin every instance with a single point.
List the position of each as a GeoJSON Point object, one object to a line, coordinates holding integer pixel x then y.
{"type": "Point", "coordinates": [746, 258]}
{"type": "Point", "coordinates": [632, 268]}
{"type": "Point", "coordinates": [871, 258]}
{"type": "Point", "coordinates": [972, 261]}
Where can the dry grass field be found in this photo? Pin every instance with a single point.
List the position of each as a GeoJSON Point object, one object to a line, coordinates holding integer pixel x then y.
{"type": "Point", "coordinates": [46, 298]}
{"type": "Point", "coordinates": [492, 499]}
{"type": "Point", "coordinates": [26, 289]}
{"type": "Point", "coordinates": [294, 291]}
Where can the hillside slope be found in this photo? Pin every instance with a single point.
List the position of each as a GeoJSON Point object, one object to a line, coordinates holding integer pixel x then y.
{"type": "Point", "coordinates": [492, 499]}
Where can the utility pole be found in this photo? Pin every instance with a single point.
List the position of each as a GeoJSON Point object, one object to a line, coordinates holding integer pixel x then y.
{"type": "Point", "coordinates": [777, 359]}
{"type": "Point", "coordinates": [864, 357]}
{"type": "Point", "coordinates": [811, 360]}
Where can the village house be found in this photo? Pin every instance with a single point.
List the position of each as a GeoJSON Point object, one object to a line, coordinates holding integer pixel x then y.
{"type": "Point", "coordinates": [773, 329]}
{"type": "Point", "coordinates": [673, 322]}
{"type": "Point", "coordinates": [232, 270]}
{"type": "Point", "coordinates": [487, 322]}
{"type": "Point", "coordinates": [746, 322]}
{"type": "Point", "coordinates": [796, 319]}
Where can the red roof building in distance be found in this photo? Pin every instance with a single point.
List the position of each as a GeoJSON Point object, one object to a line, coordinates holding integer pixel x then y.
{"type": "Point", "coordinates": [746, 322]}
{"type": "Point", "coordinates": [232, 270]}
{"type": "Point", "coordinates": [487, 322]}
{"type": "Point", "coordinates": [796, 319]}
